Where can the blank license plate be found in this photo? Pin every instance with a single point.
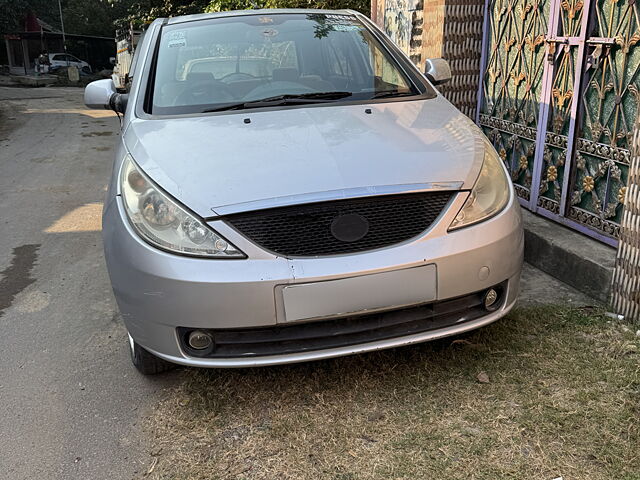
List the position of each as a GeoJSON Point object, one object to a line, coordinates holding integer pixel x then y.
{"type": "Point", "coordinates": [398, 288]}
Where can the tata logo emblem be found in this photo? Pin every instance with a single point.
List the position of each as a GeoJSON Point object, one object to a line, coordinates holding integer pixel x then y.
{"type": "Point", "coordinates": [349, 227]}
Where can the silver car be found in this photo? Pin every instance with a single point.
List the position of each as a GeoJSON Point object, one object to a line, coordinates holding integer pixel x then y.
{"type": "Point", "coordinates": [288, 186]}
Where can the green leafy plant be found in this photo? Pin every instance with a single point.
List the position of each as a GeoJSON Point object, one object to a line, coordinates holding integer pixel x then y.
{"type": "Point", "coordinates": [363, 6]}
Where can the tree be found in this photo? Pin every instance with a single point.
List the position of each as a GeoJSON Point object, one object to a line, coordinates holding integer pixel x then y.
{"type": "Point", "coordinates": [363, 6]}
{"type": "Point", "coordinates": [144, 11]}
{"type": "Point", "coordinates": [14, 12]}
{"type": "Point", "coordinates": [92, 17]}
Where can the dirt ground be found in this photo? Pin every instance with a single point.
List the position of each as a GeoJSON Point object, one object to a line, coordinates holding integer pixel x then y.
{"type": "Point", "coordinates": [547, 392]}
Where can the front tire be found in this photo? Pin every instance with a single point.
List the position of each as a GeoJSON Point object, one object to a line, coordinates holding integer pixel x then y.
{"type": "Point", "coordinates": [146, 362]}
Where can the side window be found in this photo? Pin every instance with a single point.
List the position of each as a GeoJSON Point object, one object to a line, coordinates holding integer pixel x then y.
{"type": "Point", "coordinates": [134, 60]}
{"type": "Point", "coordinates": [385, 71]}
{"type": "Point", "coordinates": [58, 58]}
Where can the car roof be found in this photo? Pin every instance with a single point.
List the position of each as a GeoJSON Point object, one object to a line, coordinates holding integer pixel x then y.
{"type": "Point", "coordinates": [265, 11]}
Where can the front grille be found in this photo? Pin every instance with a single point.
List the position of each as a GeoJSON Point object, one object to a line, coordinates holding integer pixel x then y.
{"type": "Point", "coordinates": [332, 333]}
{"type": "Point", "coordinates": [310, 230]}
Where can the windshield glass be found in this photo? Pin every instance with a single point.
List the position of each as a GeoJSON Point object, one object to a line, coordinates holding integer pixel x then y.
{"type": "Point", "coordinates": [225, 62]}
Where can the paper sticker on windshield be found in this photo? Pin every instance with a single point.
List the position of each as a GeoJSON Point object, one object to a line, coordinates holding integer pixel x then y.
{"type": "Point", "coordinates": [177, 39]}
{"type": "Point", "coordinates": [345, 28]}
{"type": "Point", "coordinates": [338, 22]}
{"type": "Point", "coordinates": [337, 17]}
{"type": "Point", "coordinates": [265, 20]}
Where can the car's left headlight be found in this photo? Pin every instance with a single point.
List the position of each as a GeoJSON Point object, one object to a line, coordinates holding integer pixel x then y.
{"type": "Point", "coordinates": [489, 195]}
{"type": "Point", "coordinates": [163, 223]}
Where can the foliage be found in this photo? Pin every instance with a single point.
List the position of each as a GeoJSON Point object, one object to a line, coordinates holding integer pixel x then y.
{"type": "Point", "coordinates": [13, 13]}
{"type": "Point", "coordinates": [363, 6]}
{"type": "Point", "coordinates": [81, 17]}
{"type": "Point", "coordinates": [144, 11]}
{"type": "Point", "coordinates": [92, 17]}
{"type": "Point", "coordinates": [102, 17]}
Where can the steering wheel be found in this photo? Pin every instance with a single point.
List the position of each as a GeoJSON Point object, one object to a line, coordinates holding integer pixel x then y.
{"type": "Point", "coordinates": [277, 88]}
{"type": "Point", "coordinates": [202, 92]}
{"type": "Point", "coordinates": [234, 76]}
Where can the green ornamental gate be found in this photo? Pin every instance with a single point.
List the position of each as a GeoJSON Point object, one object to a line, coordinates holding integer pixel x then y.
{"type": "Point", "coordinates": [559, 94]}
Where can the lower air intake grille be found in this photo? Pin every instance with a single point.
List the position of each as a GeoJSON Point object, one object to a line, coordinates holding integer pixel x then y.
{"type": "Point", "coordinates": [323, 334]}
{"type": "Point", "coordinates": [341, 226]}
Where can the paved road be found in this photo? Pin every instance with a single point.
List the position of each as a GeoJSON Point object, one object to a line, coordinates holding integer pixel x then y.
{"type": "Point", "coordinates": [70, 402]}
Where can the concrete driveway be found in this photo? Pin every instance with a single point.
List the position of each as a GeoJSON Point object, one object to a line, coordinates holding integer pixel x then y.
{"type": "Point", "coordinates": [70, 401]}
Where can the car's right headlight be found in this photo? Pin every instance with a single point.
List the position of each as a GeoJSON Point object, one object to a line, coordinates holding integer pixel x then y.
{"type": "Point", "coordinates": [489, 195]}
{"type": "Point", "coordinates": [162, 222]}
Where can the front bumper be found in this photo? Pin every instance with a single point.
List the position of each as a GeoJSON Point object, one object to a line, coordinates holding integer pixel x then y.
{"type": "Point", "coordinates": [263, 361]}
{"type": "Point", "coordinates": [158, 292]}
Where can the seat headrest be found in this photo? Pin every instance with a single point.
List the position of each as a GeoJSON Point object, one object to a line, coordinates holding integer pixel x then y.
{"type": "Point", "coordinates": [200, 77]}
{"type": "Point", "coordinates": [285, 74]}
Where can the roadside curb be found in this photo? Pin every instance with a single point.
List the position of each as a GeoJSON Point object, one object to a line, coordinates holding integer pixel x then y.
{"type": "Point", "coordinates": [578, 261]}
{"type": "Point", "coordinates": [27, 80]}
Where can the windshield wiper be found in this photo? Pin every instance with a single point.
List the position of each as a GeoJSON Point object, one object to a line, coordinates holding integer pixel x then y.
{"type": "Point", "coordinates": [391, 93]}
{"type": "Point", "coordinates": [287, 99]}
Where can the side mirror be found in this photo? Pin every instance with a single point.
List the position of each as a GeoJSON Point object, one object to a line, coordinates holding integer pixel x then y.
{"type": "Point", "coordinates": [102, 94]}
{"type": "Point", "coordinates": [437, 70]}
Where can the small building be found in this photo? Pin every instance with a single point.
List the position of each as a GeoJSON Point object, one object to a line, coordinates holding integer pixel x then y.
{"type": "Point", "coordinates": [22, 48]}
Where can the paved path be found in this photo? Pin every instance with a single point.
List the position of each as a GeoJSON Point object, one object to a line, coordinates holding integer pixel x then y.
{"type": "Point", "coordinates": [70, 402]}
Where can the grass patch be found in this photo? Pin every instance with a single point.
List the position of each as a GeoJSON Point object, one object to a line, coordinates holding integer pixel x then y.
{"type": "Point", "coordinates": [563, 398]}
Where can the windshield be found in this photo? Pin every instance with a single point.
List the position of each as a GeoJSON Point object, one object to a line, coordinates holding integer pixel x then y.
{"type": "Point", "coordinates": [224, 63]}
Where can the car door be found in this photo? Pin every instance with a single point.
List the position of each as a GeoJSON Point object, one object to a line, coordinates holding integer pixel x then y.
{"type": "Point", "coordinates": [58, 60]}
{"type": "Point", "coordinates": [74, 61]}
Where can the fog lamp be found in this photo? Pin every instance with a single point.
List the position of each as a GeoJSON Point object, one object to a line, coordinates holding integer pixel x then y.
{"type": "Point", "coordinates": [490, 299]}
{"type": "Point", "coordinates": [199, 340]}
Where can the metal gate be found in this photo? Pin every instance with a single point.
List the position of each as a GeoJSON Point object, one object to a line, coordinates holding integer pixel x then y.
{"type": "Point", "coordinates": [558, 99]}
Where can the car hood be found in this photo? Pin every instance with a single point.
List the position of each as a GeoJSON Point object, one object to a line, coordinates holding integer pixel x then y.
{"type": "Point", "coordinates": [235, 161]}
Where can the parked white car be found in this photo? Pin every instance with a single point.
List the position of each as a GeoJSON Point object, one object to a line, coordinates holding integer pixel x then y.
{"type": "Point", "coordinates": [59, 60]}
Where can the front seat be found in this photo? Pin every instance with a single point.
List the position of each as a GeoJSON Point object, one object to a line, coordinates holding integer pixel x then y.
{"type": "Point", "coordinates": [202, 88]}
{"type": "Point", "coordinates": [285, 75]}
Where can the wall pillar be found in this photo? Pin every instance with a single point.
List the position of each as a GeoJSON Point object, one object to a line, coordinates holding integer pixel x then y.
{"type": "Point", "coordinates": [25, 56]}
{"type": "Point", "coordinates": [9, 53]}
{"type": "Point", "coordinates": [625, 289]}
{"type": "Point", "coordinates": [450, 29]}
{"type": "Point", "coordinates": [433, 31]}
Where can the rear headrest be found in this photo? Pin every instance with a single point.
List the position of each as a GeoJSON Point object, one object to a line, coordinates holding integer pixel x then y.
{"type": "Point", "coordinates": [200, 77]}
{"type": "Point", "coordinates": [285, 74]}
